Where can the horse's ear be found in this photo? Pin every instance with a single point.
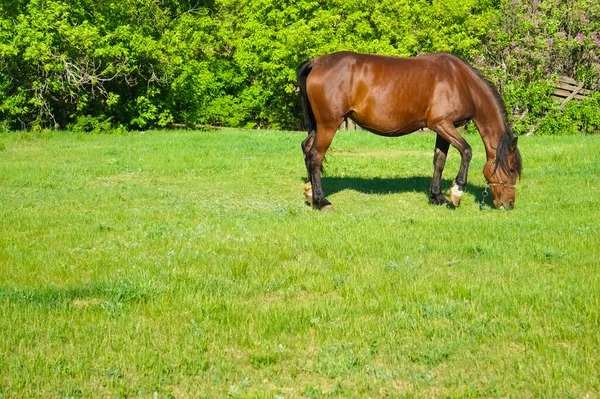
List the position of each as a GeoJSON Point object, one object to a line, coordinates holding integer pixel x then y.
{"type": "Point", "coordinates": [513, 143]}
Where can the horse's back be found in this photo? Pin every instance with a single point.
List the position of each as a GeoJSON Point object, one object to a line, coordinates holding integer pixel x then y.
{"type": "Point", "coordinates": [387, 95]}
{"type": "Point", "coordinates": [428, 63]}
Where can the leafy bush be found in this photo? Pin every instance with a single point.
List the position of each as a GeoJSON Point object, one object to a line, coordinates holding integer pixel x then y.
{"type": "Point", "coordinates": [91, 64]}
{"type": "Point", "coordinates": [91, 124]}
{"type": "Point", "coordinates": [577, 117]}
{"type": "Point", "coordinates": [143, 63]}
{"type": "Point", "coordinates": [4, 127]}
{"type": "Point", "coordinates": [61, 61]}
{"type": "Point", "coordinates": [532, 42]}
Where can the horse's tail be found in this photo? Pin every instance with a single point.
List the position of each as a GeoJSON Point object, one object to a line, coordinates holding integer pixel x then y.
{"type": "Point", "coordinates": [309, 117]}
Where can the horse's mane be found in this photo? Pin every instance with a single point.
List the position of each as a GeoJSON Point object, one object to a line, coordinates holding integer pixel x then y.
{"type": "Point", "coordinates": [504, 145]}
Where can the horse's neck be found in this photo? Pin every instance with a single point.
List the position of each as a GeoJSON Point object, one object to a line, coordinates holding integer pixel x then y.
{"type": "Point", "coordinates": [491, 124]}
{"type": "Point", "coordinates": [492, 140]}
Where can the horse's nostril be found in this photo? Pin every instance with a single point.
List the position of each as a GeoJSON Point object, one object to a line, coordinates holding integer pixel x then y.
{"type": "Point", "coordinates": [511, 204]}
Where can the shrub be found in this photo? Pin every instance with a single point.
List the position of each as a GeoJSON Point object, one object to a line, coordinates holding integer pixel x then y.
{"type": "Point", "coordinates": [95, 125]}
{"type": "Point", "coordinates": [145, 63]}
{"type": "Point", "coordinates": [532, 42]}
{"type": "Point", "coordinates": [577, 117]}
{"type": "Point", "coordinates": [91, 64]}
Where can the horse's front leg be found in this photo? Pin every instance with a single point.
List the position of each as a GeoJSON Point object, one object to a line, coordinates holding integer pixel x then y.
{"type": "Point", "coordinates": [460, 182]}
{"type": "Point", "coordinates": [439, 161]}
{"type": "Point", "coordinates": [448, 132]}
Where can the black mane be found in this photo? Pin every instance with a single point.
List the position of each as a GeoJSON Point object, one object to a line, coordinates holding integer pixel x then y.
{"type": "Point", "coordinates": [504, 147]}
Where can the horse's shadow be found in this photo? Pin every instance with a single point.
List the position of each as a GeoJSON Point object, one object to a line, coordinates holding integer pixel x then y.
{"type": "Point", "coordinates": [380, 185]}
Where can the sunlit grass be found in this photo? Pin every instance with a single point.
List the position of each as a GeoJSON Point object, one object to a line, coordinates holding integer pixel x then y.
{"type": "Point", "coordinates": [187, 264]}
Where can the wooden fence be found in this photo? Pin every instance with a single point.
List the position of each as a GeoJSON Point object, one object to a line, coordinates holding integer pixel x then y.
{"type": "Point", "coordinates": [567, 89]}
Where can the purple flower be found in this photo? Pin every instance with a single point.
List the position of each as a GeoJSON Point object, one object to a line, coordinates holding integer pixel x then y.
{"type": "Point", "coordinates": [580, 37]}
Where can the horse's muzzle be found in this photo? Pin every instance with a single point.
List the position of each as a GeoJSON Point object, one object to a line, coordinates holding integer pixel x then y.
{"type": "Point", "coordinates": [502, 205]}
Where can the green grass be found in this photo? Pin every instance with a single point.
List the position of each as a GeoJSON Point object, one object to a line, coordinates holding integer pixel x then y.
{"type": "Point", "coordinates": [187, 264]}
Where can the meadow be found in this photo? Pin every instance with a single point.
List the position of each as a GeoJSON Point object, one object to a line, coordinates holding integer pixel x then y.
{"type": "Point", "coordinates": [174, 264]}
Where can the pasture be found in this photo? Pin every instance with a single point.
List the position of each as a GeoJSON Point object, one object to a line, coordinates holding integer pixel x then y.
{"type": "Point", "coordinates": [187, 264]}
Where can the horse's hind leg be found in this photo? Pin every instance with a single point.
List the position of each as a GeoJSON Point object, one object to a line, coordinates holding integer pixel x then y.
{"type": "Point", "coordinates": [448, 132]}
{"type": "Point", "coordinates": [314, 161]}
{"type": "Point", "coordinates": [439, 161]}
{"type": "Point", "coordinates": [306, 145]}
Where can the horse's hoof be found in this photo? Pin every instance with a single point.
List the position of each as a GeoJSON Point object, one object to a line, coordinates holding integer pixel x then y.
{"type": "Point", "coordinates": [328, 208]}
{"type": "Point", "coordinates": [445, 202]}
{"type": "Point", "coordinates": [439, 200]}
{"type": "Point", "coordinates": [455, 194]}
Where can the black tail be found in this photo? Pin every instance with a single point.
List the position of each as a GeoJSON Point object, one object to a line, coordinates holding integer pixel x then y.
{"type": "Point", "coordinates": [309, 118]}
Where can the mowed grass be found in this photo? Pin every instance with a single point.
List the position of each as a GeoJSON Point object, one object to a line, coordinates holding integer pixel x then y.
{"type": "Point", "coordinates": [187, 264]}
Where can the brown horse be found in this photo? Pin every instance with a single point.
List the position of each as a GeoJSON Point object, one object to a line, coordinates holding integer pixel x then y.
{"type": "Point", "coordinates": [393, 96]}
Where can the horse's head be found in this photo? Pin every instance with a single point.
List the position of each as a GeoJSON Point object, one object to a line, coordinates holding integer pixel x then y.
{"type": "Point", "coordinates": [501, 174]}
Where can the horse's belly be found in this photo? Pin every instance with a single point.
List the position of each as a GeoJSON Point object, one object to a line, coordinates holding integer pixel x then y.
{"type": "Point", "coordinates": [390, 126]}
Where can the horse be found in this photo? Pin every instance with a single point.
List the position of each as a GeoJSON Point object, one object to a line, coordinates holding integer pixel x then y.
{"type": "Point", "coordinates": [395, 96]}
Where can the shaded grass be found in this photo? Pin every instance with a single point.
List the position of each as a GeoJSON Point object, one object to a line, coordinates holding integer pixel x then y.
{"type": "Point", "coordinates": [188, 264]}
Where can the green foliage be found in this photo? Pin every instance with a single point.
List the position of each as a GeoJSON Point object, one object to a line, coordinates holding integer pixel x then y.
{"type": "Point", "coordinates": [528, 101]}
{"type": "Point", "coordinates": [268, 40]}
{"type": "Point", "coordinates": [4, 127]}
{"type": "Point", "coordinates": [144, 63]}
{"type": "Point", "coordinates": [576, 118]}
{"type": "Point", "coordinates": [62, 61]}
{"type": "Point", "coordinates": [529, 45]}
{"type": "Point", "coordinates": [91, 124]}
{"type": "Point", "coordinates": [148, 63]}
{"type": "Point", "coordinates": [530, 41]}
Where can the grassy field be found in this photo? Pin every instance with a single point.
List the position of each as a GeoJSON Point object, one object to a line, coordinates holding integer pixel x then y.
{"type": "Point", "coordinates": [187, 264]}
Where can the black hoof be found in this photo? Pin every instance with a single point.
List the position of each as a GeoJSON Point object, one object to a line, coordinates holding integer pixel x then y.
{"type": "Point", "coordinates": [322, 205]}
{"type": "Point", "coordinates": [438, 199]}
